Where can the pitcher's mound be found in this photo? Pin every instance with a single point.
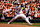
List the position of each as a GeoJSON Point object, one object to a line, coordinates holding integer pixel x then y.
{"type": "Point", "coordinates": [15, 25]}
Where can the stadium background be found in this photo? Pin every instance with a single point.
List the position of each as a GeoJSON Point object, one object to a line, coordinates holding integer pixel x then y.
{"type": "Point", "coordinates": [37, 20]}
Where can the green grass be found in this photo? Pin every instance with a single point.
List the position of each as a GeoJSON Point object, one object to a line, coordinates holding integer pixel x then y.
{"type": "Point", "coordinates": [13, 22]}
{"type": "Point", "coordinates": [23, 23]}
{"type": "Point", "coordinates": [3, 22]}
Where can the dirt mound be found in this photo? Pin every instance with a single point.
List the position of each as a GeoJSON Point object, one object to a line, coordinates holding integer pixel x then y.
{"type": "Point", "coordinates": [15, 25]}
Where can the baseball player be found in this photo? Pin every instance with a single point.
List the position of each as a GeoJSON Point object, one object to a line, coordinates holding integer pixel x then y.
{"type": "Point", "coordinates": [21, 15]}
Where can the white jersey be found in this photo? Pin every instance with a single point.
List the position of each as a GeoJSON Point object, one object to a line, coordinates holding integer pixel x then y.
{"type": "Point", "coordinates": [21, 12]}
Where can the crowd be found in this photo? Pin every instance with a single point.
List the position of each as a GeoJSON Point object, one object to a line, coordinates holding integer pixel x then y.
{"type": "Point", "coordinates": [11, 8]}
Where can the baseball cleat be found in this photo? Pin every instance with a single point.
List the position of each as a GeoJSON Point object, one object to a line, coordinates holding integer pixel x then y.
{"type": "Point", "coordinates": [9, 23]}
{"type": "Point", "coordinates": [30, 23]}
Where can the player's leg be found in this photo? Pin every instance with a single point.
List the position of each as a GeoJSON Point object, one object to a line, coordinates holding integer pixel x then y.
{"type": "Point", "coordinates": [26, 19]}
{"type": "Point", "coordinates": [13, 19]}
{"type": "Point", "coordinates": [30, 17]}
